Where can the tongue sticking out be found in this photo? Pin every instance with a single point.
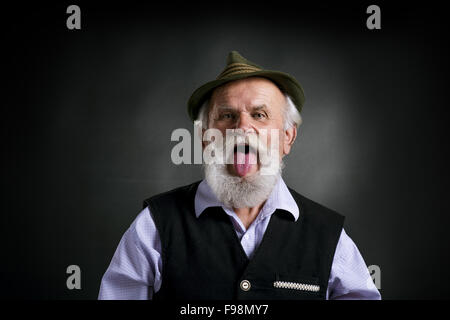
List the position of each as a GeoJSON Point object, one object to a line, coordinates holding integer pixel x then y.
{"type": "Point", "coordinates": [243, 162]}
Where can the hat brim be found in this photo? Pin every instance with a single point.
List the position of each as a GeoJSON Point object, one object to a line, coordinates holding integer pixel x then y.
{"type": "Point", "coordinates": [284, 81]}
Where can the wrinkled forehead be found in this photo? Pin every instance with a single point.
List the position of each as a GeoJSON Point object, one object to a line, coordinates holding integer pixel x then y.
{"type": "Point", "coordinates": [248, 92]}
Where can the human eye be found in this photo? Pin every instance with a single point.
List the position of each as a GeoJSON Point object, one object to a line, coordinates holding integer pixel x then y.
{"type": "Point", "coordinates": [259, 115]}
{"type": "Point", "coordinates": [226, 116]}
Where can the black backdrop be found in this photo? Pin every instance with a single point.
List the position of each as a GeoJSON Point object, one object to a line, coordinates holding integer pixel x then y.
{"type": "Point", "coordinates": [88, 115]}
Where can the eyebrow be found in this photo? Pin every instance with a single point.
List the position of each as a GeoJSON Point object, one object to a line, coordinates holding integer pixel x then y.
{"type": "Point", "coordinates": [228, 108]}
{"type": "Point", "coordinates": [260, 107]}
{"type": "Point", "coordinates": [224, 108]}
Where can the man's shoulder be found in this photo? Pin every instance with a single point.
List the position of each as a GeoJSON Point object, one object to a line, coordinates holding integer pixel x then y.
{"type": "Point", "coordinates": [311, 209]}
{"type": "Point", "coordinates": [171, 195]}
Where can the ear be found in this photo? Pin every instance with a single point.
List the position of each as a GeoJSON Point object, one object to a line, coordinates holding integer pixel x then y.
{"type": "Point", "coordinates": [199, 132]}
{"type": "Point", "coordinates": [288, 140]}
{"type": "Point", "coordinates": [204, 143]}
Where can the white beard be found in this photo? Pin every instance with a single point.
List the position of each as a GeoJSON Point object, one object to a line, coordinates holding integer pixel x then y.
{"type": "Point", "coordinates": [242, 192]}
{"type": "Point", "coordinates": [237, 192]}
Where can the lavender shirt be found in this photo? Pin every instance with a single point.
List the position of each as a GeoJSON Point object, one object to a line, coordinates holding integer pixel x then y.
{"type": "Point", "coordinates": [135, 271]}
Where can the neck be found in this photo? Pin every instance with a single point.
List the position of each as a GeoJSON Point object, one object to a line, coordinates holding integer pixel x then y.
{"type": "Point", "coordinates": [248, 215]}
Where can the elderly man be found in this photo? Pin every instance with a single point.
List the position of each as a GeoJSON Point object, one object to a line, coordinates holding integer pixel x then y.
{"type": "Point", "coordinates": [240, 233]}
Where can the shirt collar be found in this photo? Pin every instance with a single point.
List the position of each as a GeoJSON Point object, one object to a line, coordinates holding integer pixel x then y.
{"type": "Point", "coordinates": [279, 198]}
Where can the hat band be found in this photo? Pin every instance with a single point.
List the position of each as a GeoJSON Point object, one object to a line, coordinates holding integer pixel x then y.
{"type": "Point", "coordinates": [237, 68]}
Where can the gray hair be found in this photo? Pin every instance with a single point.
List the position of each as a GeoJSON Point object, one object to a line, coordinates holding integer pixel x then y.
{"type": "Point", "coordinates": [291, 115]}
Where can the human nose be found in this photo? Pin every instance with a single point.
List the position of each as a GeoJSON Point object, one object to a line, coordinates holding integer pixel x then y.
{"type": "Point", "coordinates": [244, 122]}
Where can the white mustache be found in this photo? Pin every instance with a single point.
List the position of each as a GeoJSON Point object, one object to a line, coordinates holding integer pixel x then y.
{"type": "Point", "coordinates": [224, 151]}
{"type": "Point", "coordinates": [238, 141]}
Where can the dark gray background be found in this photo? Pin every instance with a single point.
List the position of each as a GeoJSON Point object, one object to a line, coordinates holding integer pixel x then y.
{"type": "Point", "coordinates": [89, 114]}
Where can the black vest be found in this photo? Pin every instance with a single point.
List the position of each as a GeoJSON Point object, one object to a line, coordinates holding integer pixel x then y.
{"type": "Point", "coordinates": [203, 258]}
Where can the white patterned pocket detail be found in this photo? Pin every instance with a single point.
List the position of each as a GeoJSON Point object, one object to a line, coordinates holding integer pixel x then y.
{"type": "Point", "coordinates": [296, 286]}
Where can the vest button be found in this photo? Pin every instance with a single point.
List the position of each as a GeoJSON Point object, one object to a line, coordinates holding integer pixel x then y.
{"type": "Point", "coordinates": [245, 285]}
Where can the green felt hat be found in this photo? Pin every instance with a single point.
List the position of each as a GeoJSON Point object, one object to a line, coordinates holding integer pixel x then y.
{"type": "Point", "coordinates": [239, 68]}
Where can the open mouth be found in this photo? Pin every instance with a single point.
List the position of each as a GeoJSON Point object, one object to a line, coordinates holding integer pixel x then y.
{"type": "Point", "coordinates": [243, 148]}
{"type": "Point", "coordinates": [244, 158]}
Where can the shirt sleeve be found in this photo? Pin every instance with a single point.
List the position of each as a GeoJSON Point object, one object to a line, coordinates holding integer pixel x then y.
{"type": "Point", "coordinates": [135, 269]}
{"type": "Point", "coordinates": [349, 277]}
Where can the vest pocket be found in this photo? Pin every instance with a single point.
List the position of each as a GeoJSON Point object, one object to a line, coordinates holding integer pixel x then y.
{"type": "Point", "coordinates": [295, 285]}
